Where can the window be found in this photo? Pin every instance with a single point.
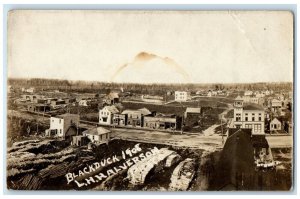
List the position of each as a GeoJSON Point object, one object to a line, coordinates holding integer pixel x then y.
{"type": "Point", "coordinates": [246, 118]}
{"type": "Point", "coordinates": [253, 118]}
{"type": "Point", "coordinates": [238, 117]}
{"type": "Point", "coordinates": [93, 137]}
{"type": "Point", "coordinates": [259, 118]}
{"type": "Point", "coordinates": [59, 120]}
{"type": "Point", "coordinates": [59, 131]}
{"type": "Point", "coordinates": [248, 126]}
{"type": "Point", "coordinates": [257, 127]}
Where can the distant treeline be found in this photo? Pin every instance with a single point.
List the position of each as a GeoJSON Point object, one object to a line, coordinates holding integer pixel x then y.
{"type": "Point", "coordinates": [92, 86]}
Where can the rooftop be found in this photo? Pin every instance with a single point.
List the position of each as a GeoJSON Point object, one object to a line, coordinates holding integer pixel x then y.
{"type": "Point", "coordinates": [96, 131]}
{"type": "Point", "coordinates": [238, 98]}
{"type": "Point", "coordinates": [67, 115]}
{"type": "Point", "coordinates": [112, 109]}
{"type": "Point", "coordinates": [193, 110]}
{"type": "Point", "coordinates": [142, 111]}
{"type": "Point", "coordinates": [253, 107]}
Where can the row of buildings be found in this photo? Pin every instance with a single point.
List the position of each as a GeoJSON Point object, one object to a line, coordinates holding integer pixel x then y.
{"type": "Point", "coordinates": [111, 116]}
{"type": "Point", "coordinates": [258, 118]}
{"type": "Point", "coordinates": [66, 127]}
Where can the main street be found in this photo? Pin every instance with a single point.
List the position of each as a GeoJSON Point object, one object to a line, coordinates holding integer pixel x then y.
{"type": "Point", "coordinates": [207, 142]}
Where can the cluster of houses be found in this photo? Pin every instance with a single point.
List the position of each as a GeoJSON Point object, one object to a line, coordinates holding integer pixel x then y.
{"type": "Point", "coordinates": [66, 127]}
{"type": "Point", "coordinates": [246, 140]}
{"type": "Point", "coordinates": [111, 116]}
{"type": "Point", "coordinates": [47, 101]}
{"type": "Point", "coordinates": [269, 117]}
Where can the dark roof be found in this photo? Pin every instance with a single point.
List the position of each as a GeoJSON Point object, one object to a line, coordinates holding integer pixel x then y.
{"type": "Point", "coordinates": [67, 115]}
{"type": "Point", "coordinates": [253, 107]}
{"type": "Point", "coordinates": [231, 131]}
{"type": "Point", "coordinates": [259, 141]}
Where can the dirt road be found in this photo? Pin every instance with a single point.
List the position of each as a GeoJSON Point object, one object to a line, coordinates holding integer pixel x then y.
{"type": "Point", "coordinates": [209, 143]}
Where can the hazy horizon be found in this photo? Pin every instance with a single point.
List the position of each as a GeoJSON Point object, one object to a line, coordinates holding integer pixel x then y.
{"type": "Point", "coordinates": [107, 82]}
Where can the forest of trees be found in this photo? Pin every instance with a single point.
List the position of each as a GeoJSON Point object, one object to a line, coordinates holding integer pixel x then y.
{"type": "Point", "coordinates": [92, 86]}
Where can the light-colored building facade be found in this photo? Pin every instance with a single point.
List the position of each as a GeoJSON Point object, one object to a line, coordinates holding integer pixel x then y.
{"type": "Point", "coordinates": [98, 135]}
{"type": "Point", "coordinates": [275, 125]}
{"type": "Point", "coordinates": [181, 96]}
{"type": "Point", "coordinates": [106, 115]}
{"type": "Point", "coordinates": [59, 125]}
{"type": "Point", "coordinates": [249, 116]}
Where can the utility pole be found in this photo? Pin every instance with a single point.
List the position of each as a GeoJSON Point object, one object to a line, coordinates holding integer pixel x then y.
{"type": "Point", "coordinates": [222, 129]}
{"type": "Point", "coordinates": [79, 118]}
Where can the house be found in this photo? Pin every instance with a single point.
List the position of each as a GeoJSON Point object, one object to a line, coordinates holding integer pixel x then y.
{"type": "Point", "coordinates": [192, 116]}
{"type": "Point", "coordinates": [84, 102]}
{"type": "Point", "coordinates": [32, 98]}
{"type": "Point", "coordinates": [119, 119]}
{"type": "Point", "coordinates": [152, 98]}
{"type": "Point", "coordinates": [249, 116]}
{"type": "Point", "coordinates": [275, 125]}
{"type": "Point", "coordinates": [268, 92]}
{"type": "Point", "coordinates": [249, 99]}
{"type": "Point", "coordinates": [135, 118]}
{"type": "Point", "coordinates": [276, 106]}
{"type": "Point", "coordinates": [181, 96]}
{"type": "Point", "coordinates": [98, 135]}
{"type": "Point", "coordinates": [38, 107]}
{"type": "Point", "coordinates": [30, 90]}
{"type": "Point", "coordinates": [111, 98]}
{"type": "Point", "coordinates": [80, 140]}
{"type": "Point", "coordinates": [63, 126]}
{"type": "Point", "coordinates": [248, 93]}
{"type": "Point", "coordinates": [160, 121]}
{"type": "Point", "coordinates": [40, 100]}
{"type": "Point", "coordinates": [106, 115]}
{"type": "Point", "coordinates": [58, 102]}
{"type": "Point", "coordinates": [260, 95]}
{"type": "Point", "coordinates": [212, 93]}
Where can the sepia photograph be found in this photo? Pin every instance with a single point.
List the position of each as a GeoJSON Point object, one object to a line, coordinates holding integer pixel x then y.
{"type": "Point", "coordinates": [150, 100]}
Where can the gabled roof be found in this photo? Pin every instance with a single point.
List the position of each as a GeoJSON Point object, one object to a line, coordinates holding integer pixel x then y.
{"type": "Point", "coordinates": [144, 111]}
{"type": "Point", "coordinates": [111, 109]}
{"type": "Point", "coordinates": [253, 107]}
{"type": "Point", "coordinates": [275, 120]}
{"type": "Point", "coordinates": [131, 111]}
{"type": "Point", "coordinates": [96, 131]}
{"type": "Point", "coordinates": [238, 98]}
{"type": "Point", "coordinates": [193, 110]}
{"type": "Point", "coordinates": [113, 95]}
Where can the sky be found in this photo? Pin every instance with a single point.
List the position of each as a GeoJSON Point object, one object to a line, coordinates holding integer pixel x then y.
{"type": "Point", "coordinates": [151, 46]}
